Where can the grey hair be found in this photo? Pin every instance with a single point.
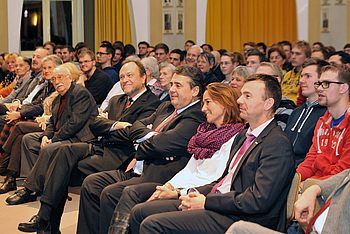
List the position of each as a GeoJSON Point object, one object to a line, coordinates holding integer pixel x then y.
{"type": "Point", "coordinates": [243, 71]}
{"type": "Point", "coordinates": [151, 64]}
{"type": "Point", "coordinates": [168, 65]}
{"type": "Point", "coordinates": [53, 58]}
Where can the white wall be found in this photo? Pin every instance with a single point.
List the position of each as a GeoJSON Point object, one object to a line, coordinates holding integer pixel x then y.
{"type": "Point", "coordinates": [14, 24]}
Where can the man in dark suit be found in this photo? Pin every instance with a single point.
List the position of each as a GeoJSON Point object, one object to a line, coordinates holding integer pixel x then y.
{"type": "Point", "coordinates": [162, 150]}
{"type": "Point", "coordinates": [254, 187]}
{"type": "Point", "coordinates": [51, 174]}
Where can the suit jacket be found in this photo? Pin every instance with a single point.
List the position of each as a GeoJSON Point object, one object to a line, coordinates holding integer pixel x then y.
{"type": "Point", "coordinates": [117, 153]}
{"type": "Point", "coordinates": [261, 182]}
{"type": "Point", "coordinates": [80, 109]}
{"type": "Point", "coordinates": [171, 141]}
{"type": "Point", "coordinates": [337, 187]}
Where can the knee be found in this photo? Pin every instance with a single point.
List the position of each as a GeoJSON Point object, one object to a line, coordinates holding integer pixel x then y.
{"type": "Point", "coordinates": [105, 197]}
{"type": "Point", "coordinates": [237, 227]}
{"type": "Point", "coordinates": [87, 185]}
{"type": "Point", "coordinates": [150, 225]}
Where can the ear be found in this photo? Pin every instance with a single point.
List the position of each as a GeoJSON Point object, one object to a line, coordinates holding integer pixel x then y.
{"type": "Point", "coordinates": [195, 91]}
{"type": "Point", "coordinates": [268, 104]}
{"type": "Point", "coordinates": [344, 88]}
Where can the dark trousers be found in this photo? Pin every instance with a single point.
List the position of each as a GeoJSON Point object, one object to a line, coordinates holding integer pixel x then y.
{"type": "Point", "coordinates": [12, 146]}
{"type": "Point", "coordinates": [133, 195]}
{"type": "Point", "coordinates": [99, 195]}
{"type": "Point", "coordinates": [163, 216]}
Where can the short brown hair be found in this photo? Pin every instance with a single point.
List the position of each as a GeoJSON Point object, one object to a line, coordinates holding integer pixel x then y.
{"type": "Point", "coordinates": [84, 52]}
{"type": "Point", "coordinates": [227, 97]}
{"type": "Point", "coordinates": [342, 70]}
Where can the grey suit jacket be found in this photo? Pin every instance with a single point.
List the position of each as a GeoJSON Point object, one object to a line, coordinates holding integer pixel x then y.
{"type": "Point", "coordinates": [337, 187]}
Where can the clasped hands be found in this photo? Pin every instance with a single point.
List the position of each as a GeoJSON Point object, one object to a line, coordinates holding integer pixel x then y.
{"type": "Point", "coordinates": [192, 201]}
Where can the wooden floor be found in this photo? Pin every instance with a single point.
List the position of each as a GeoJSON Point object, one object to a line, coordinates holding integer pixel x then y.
{"type": "Point", "coordinates": [10, 216]}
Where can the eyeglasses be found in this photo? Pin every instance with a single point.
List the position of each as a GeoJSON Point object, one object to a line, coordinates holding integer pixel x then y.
{"type": "Point", "coordinates": [325, 84]}
{"type": "Point", "coordinates": [85, 61]}
{"type": "Point", "coordinates": [101, 53]}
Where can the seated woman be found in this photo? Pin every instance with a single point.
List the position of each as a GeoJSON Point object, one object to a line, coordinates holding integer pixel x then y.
{"type": "Point", "coordinates": [12, 146]}
{"type": "Point", "coordinates": [166, 73]}
{"type": "Point", "coordinates": [210, 148]}
{"type": "Point", "coordinates": [239, 76]}
{"type": "Point", "coordinates": [205, 63]}
{"type": "Point", "coordinates": [8, 83]}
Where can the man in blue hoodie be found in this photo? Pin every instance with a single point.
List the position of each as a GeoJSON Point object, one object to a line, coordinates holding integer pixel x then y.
{"type": "Point", "coordinates": [301, 123]}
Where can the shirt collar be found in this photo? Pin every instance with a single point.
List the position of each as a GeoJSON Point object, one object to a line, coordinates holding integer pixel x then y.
{"type": "Point", "coordinates": [188, 106]}
{"type": "Point", "coordinates": [256, 132]}
{"type": "Point", "coordinates": [138, 95]}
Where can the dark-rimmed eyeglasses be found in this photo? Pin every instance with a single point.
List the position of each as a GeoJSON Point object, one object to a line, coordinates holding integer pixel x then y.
{"type": "Point", "coordinates": [101, 53]}
{"type": "Point", "coordinates": [325, 84]}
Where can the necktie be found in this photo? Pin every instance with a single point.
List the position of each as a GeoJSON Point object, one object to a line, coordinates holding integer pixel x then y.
{"type": "Point", "coordinates": [248, 141]}
{"type": "Point", "coordinates": [160, 127]}
{"type": "Point", "coordinates": [128, 104]}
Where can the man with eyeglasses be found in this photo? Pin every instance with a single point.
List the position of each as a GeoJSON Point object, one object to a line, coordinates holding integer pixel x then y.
{"type": "Point", "coordinates": [97, 81]}
{"type": "Point", "coordinates": [104, 57]}
{"type": "Point", "coordinates": [330, 150]}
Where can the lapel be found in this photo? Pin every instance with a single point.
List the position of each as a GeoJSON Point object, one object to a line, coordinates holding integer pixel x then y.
{"type": "Point", "coordinates": [118, 107]}
{"type": "Point", "coordinates": [168, 109]}
{"type": "Point", "coordinates": [255, 143]}
{"type": "Point", "coordinates": [344, 182]}
{"type": "Point", "coordinates": [55, 109]}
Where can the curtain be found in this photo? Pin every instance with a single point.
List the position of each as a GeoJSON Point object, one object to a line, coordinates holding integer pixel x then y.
{"type": "Point", "coordinates": [112, 21]}
{"type": "Point", "coordinates": [230, 23]}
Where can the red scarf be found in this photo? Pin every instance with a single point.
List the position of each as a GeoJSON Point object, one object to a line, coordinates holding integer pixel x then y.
{"type": "Point", "coordinates": [209, 139]}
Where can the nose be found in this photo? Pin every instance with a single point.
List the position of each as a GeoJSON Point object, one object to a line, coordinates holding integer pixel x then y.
{"type": "Point", "coordinates": [240, 100]}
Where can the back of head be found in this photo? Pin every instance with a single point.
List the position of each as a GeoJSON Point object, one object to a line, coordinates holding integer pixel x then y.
{"type": "Point", "coordinates": [151, 64]}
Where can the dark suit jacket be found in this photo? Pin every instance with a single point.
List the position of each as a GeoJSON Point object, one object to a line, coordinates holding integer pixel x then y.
{"type": "Point", "coordinates": [115, 153]}
{"type": "Point", "coordinates": [261, 182]}
{"type": "Point", "coordinates": [171, 141]}
{"type": "Point", "coordinates": [79, 111]}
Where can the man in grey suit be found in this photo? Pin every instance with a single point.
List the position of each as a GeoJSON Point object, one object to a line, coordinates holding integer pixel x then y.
{"type": "Point", "coordinates": [254, 186]}
{"type": "Point", "coordinates": [50, 178]}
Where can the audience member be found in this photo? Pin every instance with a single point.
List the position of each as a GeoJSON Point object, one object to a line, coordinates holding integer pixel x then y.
{"type": "Point", "coordinates": [188, 44]}
{"type": "Point", "coordinates": [67, 52]}
{"type": "Point", "coordinates": [339, 57]}
{"type": "Point", "coordinates": [205, 63]}
{"type": "Point", "coordinates": [302, 121]}
{"type": "Point", "coordinates": [239, 76]}
{"type": "Point", "coordinates": [347, 48]}
{"type": "Point", "coordinates": [176, 57]}
{"type": "Point", "coordinates": [166, 71]}
{"type": "Point", "coordinates": [290, 84]}
{"type": "Point", "coordinates": [277, 56]}
{"type": "Point", "coordinates": [254, 58]}
{"type": "Point", "coordinates": [207, 48]}
{"type": "Point", "coordinates": [104, 57]}
{"type": "Point", "coordinates": [228, 62]}
{"type": "Point", "coordinates": [161, 51]}
{"type": "Point", "coordinates": [192, 55]}
{"type": "Point", "coordinates": [142, 46]}
{"type": "Point", "coordinates": [287, 48]}
{"type": "Point", "coordinates": [49, 46]}
{"type": "Point", "coordinates": [319, 54]}
{"type": "Point", "coordinates": [97, 81]}
{"type": "Point", "coordinates": [152, 75]}
{"type": "Point", "coordinates": [329, 153]}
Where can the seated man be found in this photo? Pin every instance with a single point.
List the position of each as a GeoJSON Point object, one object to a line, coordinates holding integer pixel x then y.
{"type": "Point", "coordinates": [329, 153]}
{"type": "Point", "coordinates": [161, 153]}
{"type": "Point", "coordinates": [50, 178]}
{"type": "Point", "coordinates": [254, 186]}
{"type": "Point", "coordinates": [302, 121]}
{"type": "Point", "coordinates": [333, 194]}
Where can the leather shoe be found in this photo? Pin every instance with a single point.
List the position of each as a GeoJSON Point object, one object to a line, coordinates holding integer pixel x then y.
{"type": "Point", "coordinates": [21, 196]}
{"type": "Point", "coordinates": [8, 185]}
{"type": "Point", "coordinates": [35, 224]}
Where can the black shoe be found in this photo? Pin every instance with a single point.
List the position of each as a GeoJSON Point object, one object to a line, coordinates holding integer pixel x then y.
{"type": "Point", "coordinates": [21, 196]}
{"type": "Point", "coordinates": [8, 185]}
{"type": "Point", "coordinates": [35, 224]}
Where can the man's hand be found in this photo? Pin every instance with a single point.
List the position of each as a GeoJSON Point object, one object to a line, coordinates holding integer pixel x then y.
{"type": "Point", "coordinates": [193, 201]}
{"type": "Point", "coordinates": [121, 125]}
{"type": "Point", "coordinates": [166, 191]}
{"type": "Point", "coordinates": [305, 205]}
{"type": "Point", "coordinates": [12, 116]}
{"type": "Point", "coordinates": [45, 141]}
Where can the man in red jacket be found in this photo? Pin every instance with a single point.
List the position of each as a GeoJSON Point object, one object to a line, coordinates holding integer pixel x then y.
{"type": "Point", "coordinates": [330, 150]}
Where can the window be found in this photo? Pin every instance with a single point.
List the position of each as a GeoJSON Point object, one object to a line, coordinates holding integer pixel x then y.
{"type": "Point", "coordinates": [51, 20]}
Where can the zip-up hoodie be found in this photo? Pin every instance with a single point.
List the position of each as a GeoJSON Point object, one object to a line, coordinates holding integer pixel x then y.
{"type": "Point", "coordinates": [300, 128]}
{"type": "Point", "coordinates": [330, 150]}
